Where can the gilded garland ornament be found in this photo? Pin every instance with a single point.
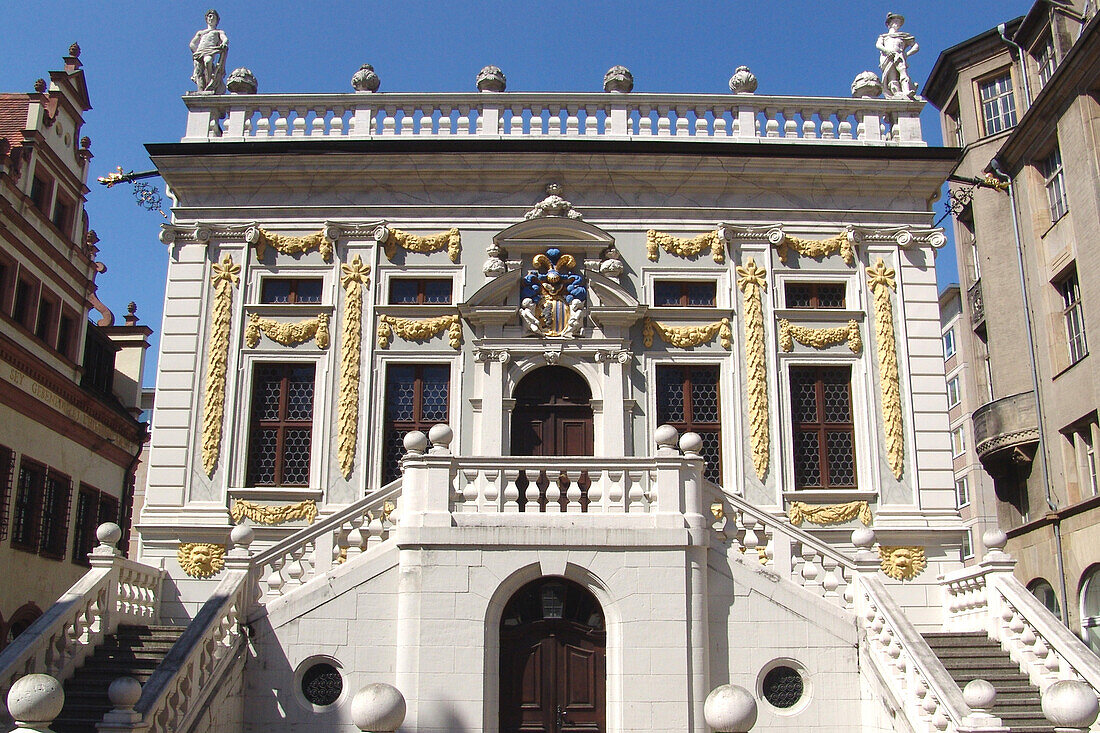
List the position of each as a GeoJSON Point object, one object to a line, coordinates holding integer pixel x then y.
{"type": "Point", "coordinates": [450, 240]}
{"type": "Point", "coordinates": [684, 247]}
{"type": "Point", "coordinates": [751, 280]}
{"type": "Point", "coordinates": [819, 338]}
{"type": "Point", "coordinates": [800, 512]}
{"type": "Point", "coordinates": [688, 336]}
{"type": "Point", "coordinates": [201, 559]}
{"type": "Point", "coordinates": [262, 239]}
{"type": "Point", "coordinates": [419, 329]}
{"type": "Point", "coordinates": [902, 563]}
{"type": "Point", "coordinates": [226, 275]}
{"type": "Point", "coordinates": [265, 514]}
{"type": "Point", "coordinates": [354, 276]}
{"type": "Point", "coordinates": [882, 282]}
{"type": "Point", "coordinates": [818, 248]}
{"type": "Point", "coordinates": [287, 334]}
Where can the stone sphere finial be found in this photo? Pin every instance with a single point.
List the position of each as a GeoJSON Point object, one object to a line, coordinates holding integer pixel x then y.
{"type": "Point", "coordinates": [108, 533]}
{"type": "Point", "coordinates": [980, 695]}
{"type": "Point", "coordinates": [1070, 704]}
{"type": "Point", "coordinates": [994, 539]}
{"type": "Point", "coordinates": [365, 80]}
{"type": "Point", "coordinates": [491, 79]}
{"type": "Point", "coordinates": [666, 436]}
{"type": "Point", "coordinates": [730, 709]}
{"type": "Point", "coordinates": [441, 436]}
{"type": "Point", "coordinates": [241, 81]}
{"type": "Point", "coordinates": [863, 537]}
{"type": "Point", "coordinates": [378, 708]}
{"type": "Point", "coordinates": [124, 693]}
{"type": "Point", "coordinates": [40, 86]}
{"type": "Point", "coordinates": [35, 700]}
{"type": "Point", "coordinates": [242, 535]}
{"type": "Point", "coordinates": [415, 442]}
{"type": "Point", "coordinates": [743, 81]}
{"type": "Point", "coordinates": [618, 79]}
{"type": "Point", "coordinates": [691, 444]}
{"type": "Point", "coordinates": [866, 85]}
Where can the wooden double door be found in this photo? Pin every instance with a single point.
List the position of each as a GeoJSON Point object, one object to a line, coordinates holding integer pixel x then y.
{"type": "Point", "coordinates": [552, 661]}
{"type": "Point", "coordinates": [552, 414]}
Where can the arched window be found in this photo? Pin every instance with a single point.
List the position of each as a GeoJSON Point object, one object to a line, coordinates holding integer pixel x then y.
{"type": "Point", "coordinates": [1044, 591]}
{"type": "Point", "coordinates": [1090, 608]}
{"type": "Point", "coordinates": [26, 615]}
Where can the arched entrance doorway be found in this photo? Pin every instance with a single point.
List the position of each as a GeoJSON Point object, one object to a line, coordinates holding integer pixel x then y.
{"type": "Point", "coordinates": [553, 414]}
{"type": "Point", "coordinates": [552, 660]}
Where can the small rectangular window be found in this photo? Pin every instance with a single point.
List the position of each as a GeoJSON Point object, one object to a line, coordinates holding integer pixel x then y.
{"type": "Point", "coordinates": [962, 492]}
{"type": "Point", "coordinates": [967, 548]}
{"type": "Point", "coordinates": [281, 431]}
{"type": "Point", "coordinates": [25, 308]}
{"type": "Point", "coordinates": [1045, 60]}
{"type": "Point", "coordinates": [824, 431]}
{"type": "Point", "coordinates": [291, 290]}
{"type": "Point", "coordinates": [63, 215]}
{"type": "Point", "coordinates": [953, 397]}
{"type": "Point", "coordinates": [998, 104]}
{"type": "Point", "coordinates": [685, 293]}
{"type": "Point", "coordinates": [814, 295]}
{"type": "Point", "coordinates": [45, 323]}
{"type": "Point", "coordinates": [948, 344]}
{"type": "Point", "coordinates": [87, 514]}
{"type": "Point", "coordinates": [27, 509]}
{"type": "Point", "coordinates": [688, 400]}
{"type": "Point", "coordinates": [1054, 180]}
{"type": "Point", "coordinates": [55, 516]}
{"type": "Point", "coordinates": [7, 475]}
{"type": "Point", "coordinates": [420, 291]}
{"type": "Point", "coordinates": [1074, 317]}
{"type": "Point", "coordinates": [40, 192]}
{"type": "Point", "coordinates": [66, 331]}
{"type": "Point", "coordinates": [417, 397]}
{"type": "Point", "coordinates": [958, 441]}
{"type": "Point", "coordinates": [99, 362]}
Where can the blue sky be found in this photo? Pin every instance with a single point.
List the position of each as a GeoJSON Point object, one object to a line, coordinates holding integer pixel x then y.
{"type": "Point", "coordinates": [138, 65]}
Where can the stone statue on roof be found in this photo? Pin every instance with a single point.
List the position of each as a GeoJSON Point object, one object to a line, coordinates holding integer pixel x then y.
{"type": "Point", "coordinates": [895, 48]}
{"type": "Point", "coordinates": [209, 49]}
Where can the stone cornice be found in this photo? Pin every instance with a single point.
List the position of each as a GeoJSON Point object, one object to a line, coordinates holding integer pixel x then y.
{"type": "Point", "coordinates": [204, 232]}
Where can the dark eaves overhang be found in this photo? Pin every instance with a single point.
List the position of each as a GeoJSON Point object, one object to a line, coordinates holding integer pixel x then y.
{"type": "Point", "coordinates": [945, 72]}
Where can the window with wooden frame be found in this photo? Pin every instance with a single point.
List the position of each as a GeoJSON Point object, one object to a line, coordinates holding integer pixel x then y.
{"type": "Point", "coordinates": [1045, 60]}
{"type": "Point", "coordinates": [291, 290]}
{"type": "Point", "coordinates": [40, 192]}
{"type": "Point", "coordinates": [280, 436]}
{"type": "Point", "coordinates": [998, 103]}
{"type": "Point", "coordinates": [7, 476]}
{"type": "Point", "coordinates": [66, 333]}
{"type": "Point", "coordinates": [420, 290]}
{"type": "Point", "coordinates": [62, 218]}
{"type": "Point", "coordinates": [1073, 315]}
{"type": "Point", "coordinates": [7, 282]}
{"type": "Point", "coordinates": [1054, 181]}
{"type": "Point", "coordinates": [824, 432]}
{"type": "Point", "coordinates": [93, 508]}
{"type": "Point", "coordinates": [45, 324]}
{"type": "Point", "coordinates": [25, 306]}
{"type": "Point", "coordinates": [26, 520]}
{"type": "Point", "coordinates": [688, 400]}
{"type": "Point", "coordinates": [54, 527]}
{"type": "Point", "coordinates": [685, 293]}
{"type": "Point", "coordinates": [417, 397]}
{"type": "Point", "coordinates": [814, 295]}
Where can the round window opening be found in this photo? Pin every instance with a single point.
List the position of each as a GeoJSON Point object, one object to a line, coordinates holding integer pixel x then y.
{"type": "Point", "coordinates": [782, 687]}
{"type": "Point", "coordinates": [322, 684]}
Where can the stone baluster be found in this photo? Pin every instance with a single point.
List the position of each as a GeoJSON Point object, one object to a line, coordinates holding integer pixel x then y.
{"type": "Point", "coordinates": [614, 492]}
{"type": "Point", "coordinates": [407, 122]}
{"type": "Point", "coordinates": [426, 123]}
{"type": "Point", "coordinates": [809, 570]}
{"type": "Point", "coordinates": [389, 121]}
{"type": "Point", "coordinates": [702, 128]}
{"type": "Point", "coordinates": [790, 124]}
{"type": "Point", "coordinates": [516, 123]}
{"type": "Point", "coordinates": [531, 493]}
{"type": "Point", "coordinates": [828, 127]}
{"type": "Point", "coordinates": [492, 491]}
{"type": "Point", "coordinates": [830, 579]}
{"type": "Point", "coordinates": [750, 541]}
{"type": "Point", "coordinates": [809, 125]}
{"type": "Point", "coordinates": [573, 493]}
{"type": "Point", "coordinates": [596, 490]}
{"type": "Point", "coordinates": [682, 123]}
{"type": "Point", "coordinates": [375, 529]}
{"type": "Point", "coordinates": [511, 491]}
{"type": "Point", "coordinates": [471, 489]}
{"type": "Point", "coordinates": [553, 494]}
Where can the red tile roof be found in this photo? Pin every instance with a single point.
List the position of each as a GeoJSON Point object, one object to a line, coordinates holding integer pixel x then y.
{"type": "Point", "coordinates": [13, 119]}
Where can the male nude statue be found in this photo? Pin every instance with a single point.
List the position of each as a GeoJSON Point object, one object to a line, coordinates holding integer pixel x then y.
{"type": "Point", "coordinates": [209, 48]}
{"type": "Point", "coordinates": [895, 49]}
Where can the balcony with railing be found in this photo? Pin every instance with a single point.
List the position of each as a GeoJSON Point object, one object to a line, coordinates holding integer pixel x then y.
{"type": "Point", "coordinates": [732, 118]}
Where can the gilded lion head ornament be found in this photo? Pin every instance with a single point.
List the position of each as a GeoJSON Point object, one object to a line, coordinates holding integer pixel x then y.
{"type": "Point", "coordinates": [201, 559]}
{"type": "Point", "coordinates": [902, 563]}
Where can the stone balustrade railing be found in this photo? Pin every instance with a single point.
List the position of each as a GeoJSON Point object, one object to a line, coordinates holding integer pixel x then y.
{"type": "Point", "coordinates": [682, 117]}
{"type": "Point", "coordinates": [115, 591]}
{"type": "Point", "coordinates": [988, 597]}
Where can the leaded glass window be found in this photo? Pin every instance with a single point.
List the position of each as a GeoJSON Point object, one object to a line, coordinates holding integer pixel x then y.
{"type": "Point", "coordinates": [686, 293]}
{"type": "Point", "coordinates": [687, 399]}
{"type": "Point", "coordinates": [824, 433]}
{"type": "Point", "coordinates": [814, 295]}
{"type": "Point", "coordinates": [281, 433]}
{"type": "Point", "coordinates": [417, 397]}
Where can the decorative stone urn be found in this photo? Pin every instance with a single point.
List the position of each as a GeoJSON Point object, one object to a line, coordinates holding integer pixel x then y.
{"type": "Point", "coordinates": [618, 79]}
{"type": "Point", "coordinates": [866, 85]}
{"type": "Point", "coordinates": [365, 80]}
{"type": "Point", "coordinates": [730, 709]}
{"type": "Point", "coordinates": [491, 79]}
{"type": "Point", "coordinates": [743, 81]}
{"type": "Point", "coordinates": [241, 81]}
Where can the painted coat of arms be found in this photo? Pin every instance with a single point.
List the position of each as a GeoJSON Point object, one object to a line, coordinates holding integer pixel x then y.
{"type": "Point", "coordinates": [553, 297]}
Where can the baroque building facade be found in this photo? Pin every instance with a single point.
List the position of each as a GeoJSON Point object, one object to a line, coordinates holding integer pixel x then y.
{"type": "Point", "coordinates": [1024, 96]}
{"type": "Point", "coordinates": [69, 434]}
{"type": "Point", "coordinates": [582, 412]}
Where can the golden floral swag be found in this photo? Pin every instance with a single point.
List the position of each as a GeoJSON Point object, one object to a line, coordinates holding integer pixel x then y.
{"type": "Point", "coordinates": [751, 280]}
{"type": "Point", "coordinates": [685, 247]}
{"type": "Point", "coordinates": [419, 329]}
{"type": "Point", "coordinates": [800, 512]}
{"type": "Point", "coordinates": [817, 248]}
{"type": "Point", "coordinates": [354, 276]}
{"type": "Point", "coordinates": [450, 240]}
{"type": "Point", "coordinates": [687, 336]}
{"type": "Point", "coordinates": [819, 338]}
{"type": "Point", "coordinates": [225, 276]}
{"type": "Point", "coordinates": [262, 239]}
{"type": "Point", "coordinates": [263, 514]}
{"type": "Point", "coordinates": [882, 282]}
{"type": "Point", "coordinates": [287, 333]}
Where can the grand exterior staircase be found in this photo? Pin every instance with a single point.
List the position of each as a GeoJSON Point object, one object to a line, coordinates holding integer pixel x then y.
{"type": "Point", "coordinates": [132, 651]}
{"type": "Point", "coordinates": [971, 655]}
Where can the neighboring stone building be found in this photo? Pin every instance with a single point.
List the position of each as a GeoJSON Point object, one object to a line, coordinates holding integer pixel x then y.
{"type": "Point", "coordinates": [1041, 121]}
{"type": "Point", "coordinates": [973, 486]}
{"type": "Point", "coordinates": [69, 436]}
